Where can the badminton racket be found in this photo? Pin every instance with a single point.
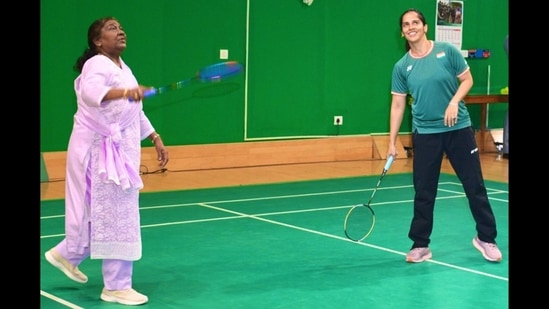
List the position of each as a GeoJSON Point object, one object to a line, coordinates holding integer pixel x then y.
{"type": "Point", "coordinates": [212, 73]}
{"type": "Point", "coordinates": [360, 220]}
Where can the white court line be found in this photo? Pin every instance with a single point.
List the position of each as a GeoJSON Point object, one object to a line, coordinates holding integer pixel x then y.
{"type": "Point", "coordinates": [490, 192]}
{"type": "Point", "coordinates": [256, 199]}
{"type": "Point", "coordinates": [236, 217]}
{"type": "Point", "coordinates": [459, 195]}
{"type": "Point", "coordinates": [256, 217]}
{"type": "Point", "coordinates": [239, 215]}
{"type": "Point", "coordinates": [59, 300]}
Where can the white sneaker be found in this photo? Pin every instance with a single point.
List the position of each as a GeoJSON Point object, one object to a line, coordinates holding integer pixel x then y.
{"type": "Point", "coordinates": [65, 266]}
{"type": "Point", "coordinates": [124, 297]}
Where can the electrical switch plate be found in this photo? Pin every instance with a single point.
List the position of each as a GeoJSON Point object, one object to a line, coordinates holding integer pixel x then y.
{"type": "Point", "coordinates": [224, 54]}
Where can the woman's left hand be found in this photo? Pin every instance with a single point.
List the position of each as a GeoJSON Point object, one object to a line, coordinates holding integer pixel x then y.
{"type": "Point", "coordinates": [162, 152]}
{"type": "Point", "coordinates": [450, 116]}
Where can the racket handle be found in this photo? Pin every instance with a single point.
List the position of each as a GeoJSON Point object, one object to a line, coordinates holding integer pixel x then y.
{"type": "Point", "coordinates": [389, 162]}
{"type": "Point", "coordinates": [147, 93]}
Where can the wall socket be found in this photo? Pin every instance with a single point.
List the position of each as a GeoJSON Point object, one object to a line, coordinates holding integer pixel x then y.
{"type": "Point", "coordinates": [338, 120]}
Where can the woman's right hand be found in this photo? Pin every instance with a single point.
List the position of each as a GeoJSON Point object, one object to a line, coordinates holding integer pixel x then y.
{"type": "Point", "coordinates": [391, 151]}
{"type": "Point", "coordinates": [135, 94]}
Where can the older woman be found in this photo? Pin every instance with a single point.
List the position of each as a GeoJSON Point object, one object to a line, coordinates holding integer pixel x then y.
{"type": "Point", "coordinates": [102, 174]}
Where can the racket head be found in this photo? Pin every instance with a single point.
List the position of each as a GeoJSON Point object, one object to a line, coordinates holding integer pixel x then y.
{"type": "Point", "coordinates": [218, 71]}
{"type": "Point", "coordinates": [359, 222]}
{"type": "Point", "coordinates": [211, 73]}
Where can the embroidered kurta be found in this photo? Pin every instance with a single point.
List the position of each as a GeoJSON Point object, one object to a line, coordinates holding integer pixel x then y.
{"type": "Point", "coordinates": [103, 158]}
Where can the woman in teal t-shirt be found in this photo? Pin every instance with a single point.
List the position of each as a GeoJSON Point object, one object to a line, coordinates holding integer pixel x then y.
{"type": "Point", "coordinates": [437, 77]}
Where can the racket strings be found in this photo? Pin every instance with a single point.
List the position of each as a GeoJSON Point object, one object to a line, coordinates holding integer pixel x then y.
{"type": "Point", "coordinates": [359, 222]}
{"type": "Point", "coordinates": [217, 71]}
{"type": "Point", "coordinates": [360, 219]}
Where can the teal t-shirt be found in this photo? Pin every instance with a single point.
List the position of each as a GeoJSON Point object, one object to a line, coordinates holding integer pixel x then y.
{"type": "Point", "coordinates": [432, 82]}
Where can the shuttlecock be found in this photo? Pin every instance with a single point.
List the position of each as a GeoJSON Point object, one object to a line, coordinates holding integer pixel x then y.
{"type": "Point", "coordinates": [308, 2]}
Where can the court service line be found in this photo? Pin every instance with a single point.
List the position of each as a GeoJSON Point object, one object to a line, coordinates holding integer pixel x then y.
{"type": "Point", "coordinates": [346, 239]}
{"type": "Point", "coordinates": [491, 191]}
{"type": "Point", "coordinates": [236, 217]}
{"type": "Point", "coordinates": [274, 197]}
{"type": "Point", "coordinates": [275, 213]}
{"type": "Point", "coordinates": [461, 194]}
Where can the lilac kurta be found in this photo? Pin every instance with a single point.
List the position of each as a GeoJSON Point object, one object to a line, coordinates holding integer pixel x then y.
{"type": "Point", "coordinates": [103, 158]}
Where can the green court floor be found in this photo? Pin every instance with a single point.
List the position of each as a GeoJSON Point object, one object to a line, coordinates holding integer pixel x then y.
{"type": "Point", "coordinates": [283, 246]}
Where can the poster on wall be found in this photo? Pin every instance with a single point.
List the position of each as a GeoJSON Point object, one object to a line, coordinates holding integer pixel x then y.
{"type": "Point", "coordinates": [449, 22]}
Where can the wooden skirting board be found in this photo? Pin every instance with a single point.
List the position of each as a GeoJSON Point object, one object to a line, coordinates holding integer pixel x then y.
{"type": "Point", "coordinates": [263, 153]}
{"type": "Point", "coordinates": [381, 143]}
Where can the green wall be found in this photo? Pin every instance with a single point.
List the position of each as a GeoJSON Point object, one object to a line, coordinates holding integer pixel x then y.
{"type": "Point", "coordinates": [303, 64]}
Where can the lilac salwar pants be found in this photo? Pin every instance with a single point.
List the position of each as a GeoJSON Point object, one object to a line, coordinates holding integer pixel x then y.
{"type": "Point", "coordinates": [117, 274]}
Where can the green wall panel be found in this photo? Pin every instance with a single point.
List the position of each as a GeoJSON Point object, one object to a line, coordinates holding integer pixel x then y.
{"type": "Point", "coordinates": [303, 64]}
